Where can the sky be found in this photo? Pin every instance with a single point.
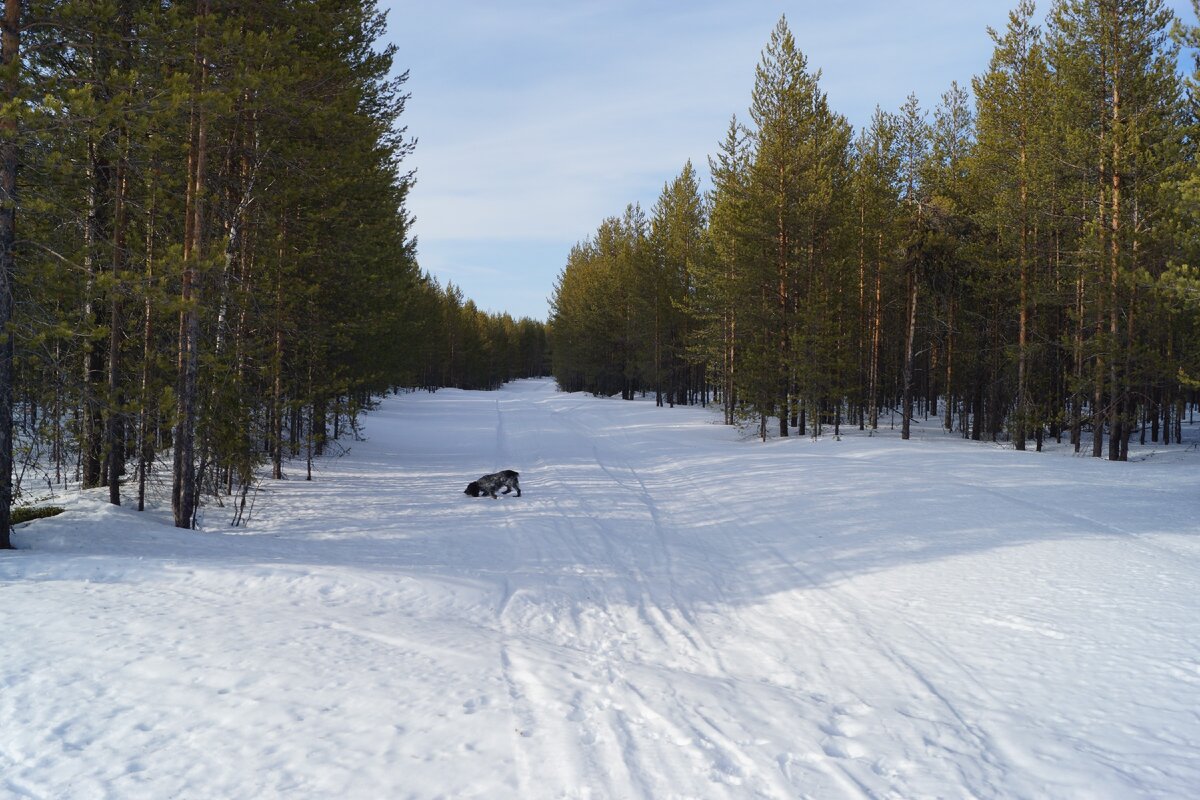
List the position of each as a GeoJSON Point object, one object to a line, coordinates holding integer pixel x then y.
{"type": "Point", "coordinates": [537, 119]}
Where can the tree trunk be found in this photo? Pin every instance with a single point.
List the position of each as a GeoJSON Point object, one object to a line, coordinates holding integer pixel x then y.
{"type": "Point", "coordinates": [145, 445]}
{"type": "Point", "coordinates": [1019, 430]}
{"type": "Point", "coordinates": [92, 434]}
{"type": "Point", "coordinates": [277, 361]}
{"type": "Point", "coordinates": [876, 332]}
{"type": "Point", "coordinates": [184, 474]}
{"type": "Point", "coordinates": [277, 407]}
{"type": "Point", "coordinates": [863, 334]}
{"type": "Point", "coordinates": [1077, 347]}
{"type": "Point", "coordinates": [783, 246]}
{"type": "Point", "coordinates": [10, 40]}
{"type": "Point", "coordinates": [114, 427]}
{"type": "Point", "coordinates": [729, 391]}
{"type": "Point", "coordinates": [949, 421]}
{"type": "Point", "coordinates": [909, 337]}
{"type": "Point", "coordinates": [1117, 399]}
{"type": "Point", "coordinates": [1179, 420]}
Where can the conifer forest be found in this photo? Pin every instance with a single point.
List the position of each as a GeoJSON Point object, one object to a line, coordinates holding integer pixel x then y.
{"type": "Point", "coordinates": [1012, 263]}
{"type": "Point", "coordinates": [207, 266]}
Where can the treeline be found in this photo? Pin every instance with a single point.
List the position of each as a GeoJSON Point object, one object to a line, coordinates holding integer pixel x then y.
{"type": "Point", "coordinates": [466, 348]}
{"type": "Point", "coordinates": [205, 241]}
{"type": "Point", "coordinates": [1017, 268]}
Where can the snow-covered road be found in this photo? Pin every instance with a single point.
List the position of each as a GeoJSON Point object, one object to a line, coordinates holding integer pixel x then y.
{"type": "Point", "coordinates": [668, 611]}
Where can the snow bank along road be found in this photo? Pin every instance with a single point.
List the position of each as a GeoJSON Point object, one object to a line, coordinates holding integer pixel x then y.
{"type": "Point", "coordinates": [669, 611]}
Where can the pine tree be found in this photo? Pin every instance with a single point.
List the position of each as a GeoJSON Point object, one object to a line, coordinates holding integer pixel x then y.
{"type": "Point", "coordinates": [717, 285]}
{"type": "Point", "coordinates": [948, 175]}
{"type": "Point", "coordinates": [783, 92]}
{"type": "Point", "coordinates": [1013, 96]}
{"type": "Point", "coordinates": [1118, 92]}
{"type": "Point", "coordinates": [677, 242]}
{"type": "Point", "coordinates": [877, 200]}
{"type": "Point", "coordinates": [914, 144]}
{"type": "Point", "coordinates": [798, 175]}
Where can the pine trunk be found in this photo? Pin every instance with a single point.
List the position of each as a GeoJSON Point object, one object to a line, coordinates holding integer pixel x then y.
{"type": "Point", "coordinates": [184, 473]}
{"type": "Point", "coordinates": [277, 369]}
{"type": "Point", "coordinates": [909, 341]}
{"type": "Point", "coordinates": [115, 427]}
{"type": "Point", "coordinates": [92, 444]}
{"type": "Point", "coordinates": [1019, 430]}
{"type": "Point", "coordinates": [1117, 400]}
{"type": "Point", "coordinates": [1077, 347]}
{"type": "Point", "coordinates": [1098, 411]}
{"type": "Point", "coordinates": [949, 388]}
{"type": "Point", "coordinates": [10, 40]}
{"type": "Point", "coordinates": [876, 329]}
{"type": "Point", "coordinates": [145, 444]}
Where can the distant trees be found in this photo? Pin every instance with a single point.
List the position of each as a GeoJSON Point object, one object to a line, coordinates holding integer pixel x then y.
{"type": "Point", "coordinates": [461, 346]}
{"type": "Point", "coordinates": [214, 258]}
{"type": "Point", "coordinates": [605, 305]}
{"type": "Point", "coordinates": [1019, 269]}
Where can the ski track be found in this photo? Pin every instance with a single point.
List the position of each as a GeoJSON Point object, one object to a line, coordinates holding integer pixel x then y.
{"type": "Point", "coordinates": [666, 612]}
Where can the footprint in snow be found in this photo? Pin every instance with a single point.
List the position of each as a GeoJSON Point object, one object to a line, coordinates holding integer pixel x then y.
{"type": "Point", "coordinates": [843, 748]}
{"type": "Point", "coordinates": [475, 703]}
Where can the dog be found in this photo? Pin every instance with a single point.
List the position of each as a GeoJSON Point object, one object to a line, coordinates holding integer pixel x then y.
{"type": "Point", "coordinates": [488, 484]}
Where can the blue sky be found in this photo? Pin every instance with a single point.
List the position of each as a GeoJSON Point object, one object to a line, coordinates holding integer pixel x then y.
{"type": "Point", "coordinates": [536, 120]}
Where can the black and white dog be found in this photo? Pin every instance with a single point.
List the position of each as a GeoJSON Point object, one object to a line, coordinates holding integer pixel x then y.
{"type": "Point", "coordinates": [488, 484]}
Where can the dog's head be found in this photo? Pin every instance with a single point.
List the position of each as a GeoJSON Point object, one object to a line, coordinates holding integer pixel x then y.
{"type": "Point", "coordinates": [473, 489]}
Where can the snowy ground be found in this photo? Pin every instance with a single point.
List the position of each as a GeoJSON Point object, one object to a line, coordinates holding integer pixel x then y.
{"type": "Point", "coordinates": [671, 610]}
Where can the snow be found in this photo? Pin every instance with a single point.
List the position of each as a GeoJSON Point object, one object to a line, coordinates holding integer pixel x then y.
{"type": "Point", "coordinates": [671, 610]}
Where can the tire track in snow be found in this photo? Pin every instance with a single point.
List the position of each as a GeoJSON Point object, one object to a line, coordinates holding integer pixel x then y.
{"type": "Point", "coordinates": [831, 761]}
{"type": "Point", "coordinates": [518, 678]}
{"type": "Point", "coordinates": [828, 763]}
{"type": "Point", "coordinates": [641, 722]}
{"type": "Point", "coordinates": [611, 464]}
{"type": "Point", "coordinates": [620, 725]}
{"type": "Point", "coordinates": [839, 753]}
{"type": "Point", "coordinates": [656, 617]}
{"type": "Point", "coordinates": [925, 694]}
{"type": "Point", "coordinates": [628, 705]}
{"type": "Point", "coordinates": [551, 726]}
{"type": "Point", "coordinates": [722, 752]}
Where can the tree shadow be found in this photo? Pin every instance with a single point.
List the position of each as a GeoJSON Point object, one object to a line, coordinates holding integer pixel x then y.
{"type": "Point", "coordinates": [624, 501]}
